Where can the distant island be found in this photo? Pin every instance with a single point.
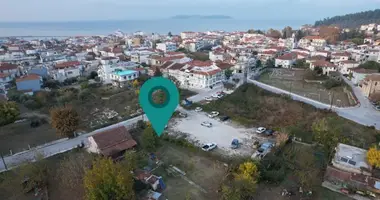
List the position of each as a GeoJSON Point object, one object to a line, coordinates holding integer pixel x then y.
{"type": "Point", "coordinates": [353, 20]}
{"type": "Point", "coordinates": [201, 17]}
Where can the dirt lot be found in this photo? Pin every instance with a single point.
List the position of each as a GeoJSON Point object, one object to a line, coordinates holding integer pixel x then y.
{"type": "Point", "coordinates": [198, 169]}
{"type": "Point", "coordinates": [221, 133]}
{"type": "Point", "coordinates": [293, 80]}
{"type": "Point", "coordinates": [18, 136]}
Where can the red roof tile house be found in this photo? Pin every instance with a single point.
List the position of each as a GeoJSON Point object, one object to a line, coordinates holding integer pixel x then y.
{"type": "Point", "coordinates": [66, 70]}
{"type": "Point", "coordinates": [9, 69]}
{"type": "Point", "coordinates": [112, 142]}
{"type": "Point", "coordinates": [286, 60]}
{"type": "Point", "coordinates": [350, 170]}
{"type": "Point", "coordinates": [326, 66]}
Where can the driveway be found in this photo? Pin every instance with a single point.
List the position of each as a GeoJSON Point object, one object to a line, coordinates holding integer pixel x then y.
{"type": "Point", "coordinates": [363, 113]}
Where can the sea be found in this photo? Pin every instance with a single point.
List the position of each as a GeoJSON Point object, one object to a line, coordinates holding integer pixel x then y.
{"type": "Point", "coordinates": [175, 26]}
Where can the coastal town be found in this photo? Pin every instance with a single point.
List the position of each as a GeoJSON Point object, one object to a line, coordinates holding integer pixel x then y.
{"type": "Point", "coordinates": [275, 114]}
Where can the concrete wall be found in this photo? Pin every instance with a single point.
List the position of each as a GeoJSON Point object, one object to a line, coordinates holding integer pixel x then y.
{"type": "Point", "coordinates": [34, 85]}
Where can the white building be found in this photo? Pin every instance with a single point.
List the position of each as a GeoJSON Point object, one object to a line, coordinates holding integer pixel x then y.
{"type": "Point", "coordinates": [167, 46]}
{"type": "Point", "coordinates": [188, 34]}
{"type": "Point", "coordinates": [66, 70]}
{"type": "Point", "coordinates": [316, 42]}
{"type": "Point", "coordinates": [286, 60]}
{"type": "Point", "coordinates": [122, 78]}
{"type": "Point", "coordinates": [339, 57]}
{"type": "Point", "coordinates": [326, 67]}
{"type": "Point", "coordinates": [214, 56]}
{"type": "Point", "coordinates": [105, 72]}
{"type": "Point", "coordinates": [197, 74]}
{"type": "Point", "coordinates": [345, 66]}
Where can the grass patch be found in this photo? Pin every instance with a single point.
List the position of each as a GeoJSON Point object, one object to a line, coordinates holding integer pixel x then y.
{"type": "Point", "coordinates": [253, 107]}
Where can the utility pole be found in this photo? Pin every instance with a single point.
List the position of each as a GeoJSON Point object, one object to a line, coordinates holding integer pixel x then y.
{"type": "Point", "coordinates": [5, 165]}
{"type": "Point", "coordinates": [331, 100]}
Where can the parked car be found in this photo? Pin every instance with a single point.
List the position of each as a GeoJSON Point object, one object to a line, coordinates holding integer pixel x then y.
{"type": "Point", "coordinates": [377, 107]}
{"type": "Point", "coordinates": [207, 124]}
{"type": "Point", "coordinates": [181, 114]}
{"type": "Point", "coordinates": [219, 96]}
{"type": "Point", "coordinates": [269, 132]}
{"type": "Point", "coordinates": [260, 130]}
{"type": "Point", "coordinates": [235, 144]}
{"type": "Point", "coordinates": [208, 98]}
{"type": "Point", "coordinates": [213, 114]}
{"type": "Point", "coordinates": [263, 150]}
{"type": "Point", "coordinates": [224, 118]}
{"type": "Point", "coordinates": [215, 95]}
{"type": "Point", "coordinates": [209, 146]}
{"type": "Point", "coordinates": [198, 109]}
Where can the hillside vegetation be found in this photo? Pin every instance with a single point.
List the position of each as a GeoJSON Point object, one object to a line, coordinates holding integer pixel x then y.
{"type": "Point", "coordinates": [352, 20]}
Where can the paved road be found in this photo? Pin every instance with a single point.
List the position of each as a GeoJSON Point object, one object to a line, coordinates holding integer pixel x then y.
{"type": "Point", "coordinates": [62, 146]}
{"type": "Point", "coordinates": [362, 114]}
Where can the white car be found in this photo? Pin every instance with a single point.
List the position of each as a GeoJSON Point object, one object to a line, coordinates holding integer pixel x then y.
{"type": "Point", "coordinates": [208, 98]}
{"type": "Point", "coordinates": [261, 130]}
{"type": "Point", "coordinates": [219, 96]}
{"type": "Point", "coordinates": [215, 95]}
{"type": "Point", "coordinates": [213, 114]}
{"type": "Point", "coordinates": [207, 124]}
{"type": "Point", "coordinates": [198, 109]}
{"type": "Point", "coordinates": [209, 146]}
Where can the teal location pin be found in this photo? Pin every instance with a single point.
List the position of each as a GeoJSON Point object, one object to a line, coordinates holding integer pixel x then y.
{"type": "Point", "coordinates": [159, 114]}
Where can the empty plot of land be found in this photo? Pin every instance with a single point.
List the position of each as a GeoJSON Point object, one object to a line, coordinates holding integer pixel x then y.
{"type": "Point", "coordinates": [293, 81]}
{"type": "Point", "coordinates": [202, 175]}
{"type": "Point", "coordinates": [17, 136]}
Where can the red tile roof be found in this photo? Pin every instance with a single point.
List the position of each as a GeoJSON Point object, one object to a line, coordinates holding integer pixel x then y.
{"type": "Point", "coordinates": [289, 56]}
{"type": "Point", "coordinates": [268, 52]}
{"type": "Point", "coordinates": [67, 64]}
{"type": "Point", "coordinates": [7, 66]}
{"type": "Point", "coordinates": [28, 78]}
{"type": "Point", "coordinates": [223, 65]}
{"type": "Point", "coordinates": [199, 63]}
{"type": "Point", "coordinates": [164, 59]}
{"type": "Point", "coordinates": [341, 54]}
{"type": "Point", "coordinates": [322, 63]}
{"type": "Point", "coordinates": [114, 140]}
{"type": "Point", "coordinates": [313, 37]}
{"type": "Point", "coordinates": [4, 75]}
{"type": "Point", "coordinates": [207, 73]}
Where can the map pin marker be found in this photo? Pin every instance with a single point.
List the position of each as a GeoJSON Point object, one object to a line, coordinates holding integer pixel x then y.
{"type": "Point", "coordinates": [159, 113]}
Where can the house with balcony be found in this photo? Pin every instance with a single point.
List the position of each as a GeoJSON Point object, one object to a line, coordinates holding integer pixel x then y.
{"type": "Point", "coordinates": [66, 70]}
{"type": "Point", "coordinates": [197, 74]}
{"type": "Point", "coordinates": [29, 83]}
{"type": "Point", "coordinates": [9, 69]}
{"type": "Point", "coordinates": [340, 56]}
{"type": "Point", "coordinates": [358, 74]}
{"type": "Point", "coordinates": [346, 65]}
{"type": "Point", "coordinates": [370, 84]}
{"type": "Point", "coordinates": [123, 77]}
{"type": "Point", "coordinates": [167, 46]}
{"type": "Point", "coordinates": [326, 66]}
{"type": "Point", "coordinates": [188, 34]}
{"type": "Point", "coordinates": [106, 71]}
{"type": "Point", "coordinates": [286, 60]}
{"type": "Point", "coordinates": [316, 42]}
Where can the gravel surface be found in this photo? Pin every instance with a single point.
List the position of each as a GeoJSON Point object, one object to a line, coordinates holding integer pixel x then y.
{"type": "Point", "coordinates": [221, 133]}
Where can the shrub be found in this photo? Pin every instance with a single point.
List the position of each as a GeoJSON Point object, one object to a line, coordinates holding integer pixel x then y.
{"type": "Point", "coordinates": [331, 83]}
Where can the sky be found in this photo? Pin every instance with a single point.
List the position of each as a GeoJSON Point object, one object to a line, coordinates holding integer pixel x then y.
{"type": "Point", "coordinates": [89, 10]}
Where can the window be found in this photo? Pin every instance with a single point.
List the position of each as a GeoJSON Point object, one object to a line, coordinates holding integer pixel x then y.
{"type": "Point", "coordinates": [343, 159]}
{"type": "Point", "coordinates": [70, 72]}
{"type": "Point", "coordinates": [352, 162]}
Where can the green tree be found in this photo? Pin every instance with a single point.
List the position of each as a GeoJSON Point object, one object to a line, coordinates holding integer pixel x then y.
{"type": "Point", "coordinates": [149, 140]}
{"type": "Point", "coordinates": [258, 63]}
{"type": "Point", "coordinates": [270, 63]}
{"type": "Point", "coordinates": [301, 63]}
{"type": "Point", "coordinates": [287, 32]}
{"type": "Point", "coordinates": [170, 34]}
{"type": "Point", "coordinates": [228, 73]}
{"type": "Point", "coordinates": [251, 31]}
{"type": "Point", "coordinates": [93, 75]}
{"type": "Point", "coordinates": [65, 120]}
{"type": "Point", "coordinates": [84, 85]}
{"type": "Point", "coordinates": [157, 72]}
{"type": "Point", "coordinates": [131, 158]}
{"type": "Point", "coordinates": [358, 41]}
{"type": "Point", "coordinates": [9, 112]}
{"type": "Point", "coordinates": [327, 134]}
{"type": "Point", "coordinates": [108, 180]}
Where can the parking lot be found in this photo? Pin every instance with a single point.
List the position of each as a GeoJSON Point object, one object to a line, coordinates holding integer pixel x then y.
{"type": "Point", "coordinates": [221, 133]}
